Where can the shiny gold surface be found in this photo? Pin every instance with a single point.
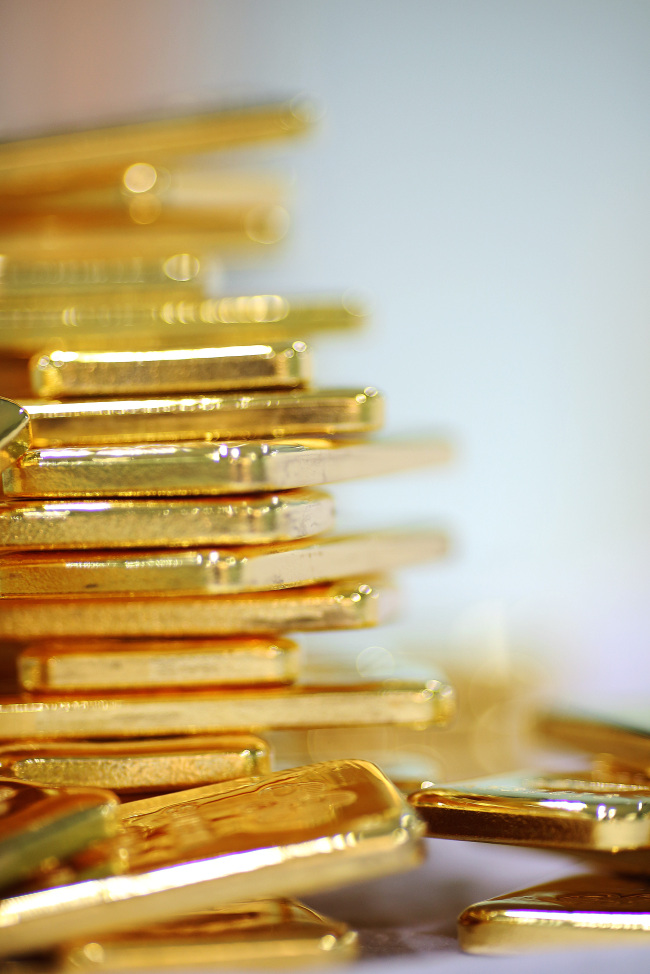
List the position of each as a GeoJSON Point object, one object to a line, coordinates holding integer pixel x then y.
{"type": "Point", "coordinates": [152, 322]}
{"type": "Point", "coordinates": [135, 523]}
{"type": "Point", "coordinates": [623, 733]}
{"type": "Point", "coordinates": [572, 811]}
{"type": "Point", "coordinates": [99, 664]}
{"type": "Point", "coordinates": [586, 912]}
{"type": "Point", "coordinates": [22, 280]}
{"type": "Point", "coordinates": [139, 765]}
{"type": "Point", "coordinates": [213, 571]}
{"type": "Point", "coordinates": [227, 416]}
{"type": "Point", "coordinates": [69, 160]}
{"type": "Point", "coordinates": [15, 432]}
{"type": "Point", "coordinates": [59, 373]}
{"type": "Point", "coordinates": [198, 711]}
{"type": "Point", "coordinates": [209, 468]}
{"type": "Point", "coordinates": [297, 831]}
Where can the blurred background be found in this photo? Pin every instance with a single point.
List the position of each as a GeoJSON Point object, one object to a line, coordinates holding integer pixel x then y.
{"type": "Point", "coordinates": [480, 176]}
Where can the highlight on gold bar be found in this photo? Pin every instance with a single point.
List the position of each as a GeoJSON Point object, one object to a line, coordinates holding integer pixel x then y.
{"type": "Point", "coordinates": [124, 766]}
{"type": "Point", "coordinates": [15, 432]}
{"type": "Point", "coordinates": [293, 832]}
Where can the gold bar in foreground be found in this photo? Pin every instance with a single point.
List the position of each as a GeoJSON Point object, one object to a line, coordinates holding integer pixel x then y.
{"type": "Point", "coordinates": [270, 933]}
{"type": "Point", "coordinates": [285, 834]}
{"type": "Point", "coordinates": [623, 732]}
{"type": "Point", "coordinates": [133, 766]}
{"type": "Point", "coordinates": [215, 571]}
{"type": "Point", "coordinates": [582, 912]}
{"type": "Point", "coordinates": [200, 711]}
{"type": "Point", "coordinates": [59, 373]}
{"type": "Point", "coordinates": [213, 468]}
{"type": "Point", "coordinates": [117, 421]}
{"type": "Point", "coordinates": [142, 523]}
{"type": "Point", "coordinates": [100, 664]}
{"type": "Point", "coordinates": [15, 432]}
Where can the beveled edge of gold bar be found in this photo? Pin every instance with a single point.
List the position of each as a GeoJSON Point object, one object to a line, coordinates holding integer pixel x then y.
{"type": "Point", "coordinates": [15, 432]}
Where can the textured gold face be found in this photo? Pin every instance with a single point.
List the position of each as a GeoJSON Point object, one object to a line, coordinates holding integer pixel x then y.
{"type": "Point", "coordinates": [15, 432]}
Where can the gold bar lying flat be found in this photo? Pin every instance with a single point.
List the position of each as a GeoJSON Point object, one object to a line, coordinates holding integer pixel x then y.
{"type": "Point", "coordinates": [23, 280]}
{"type": "Point", "coordinates": [622, 733]}
{"type": "Point", "coordinates": [326, 411]}
{"type": "Point", "coordinates": [585, 912]}
{"type": "Point", "coordinates": [271, 933]}
{"type": "Point", "coordinates": [200, 711]}
{"type": "Point", "coordinates": [70, 160]}
{"type": "Point", "coordinates": [102, 664]}
{"type": "Point", "coordinates": [149, 321]}
{"type": "Point", "coordinates": [349, 604]}
{"type": "Point", "coordinates": [59, 374]}
{"type": "Point", "coordinates": [567, 811]}
{"type": "Point", "coordinates": [135, 766]}
{"type": "Point", "coordinates": [214, 571]}
{"type": "Point", "coordinates": [141, 523]}
{"type": "Point", "coordinates": [207, 468]}
{"type": "Point", "coordinates": [15, 432]}
{"type": "Point", "coordinates": [286, 834]}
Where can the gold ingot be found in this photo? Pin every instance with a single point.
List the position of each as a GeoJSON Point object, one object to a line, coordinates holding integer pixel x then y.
{"type": "Point", "coordinates": [96, 157]}
{"type": "Point", "coordinates": [214, 571]}
{"type": "Point", "coordinates": [142, 523]}
{"type": "Point", "coordinates": [623, 734]}
{"type": "Point", "coordinates": [60, 374]}
{"type": "Point", "coordinates": [271, 933]}
{"type": "Point", "coordinates": [585, 912]}
{"type": "Point", "coordinates": [24, 280]}
{"type": "Point", "coordinates": [15, 432]}
{"type": "Point", "coordinates": [137, 766]}
{"type": "Point", "coordinates": [280, 413]}
{"type": "Point", "coordinates": [102, 664]}
{"type": "Point", "coordinates": [202, 468]}
{"type": "Point", "coordinates": [290, 833]}
{"type": "Point", "coordinates": [39, 824]}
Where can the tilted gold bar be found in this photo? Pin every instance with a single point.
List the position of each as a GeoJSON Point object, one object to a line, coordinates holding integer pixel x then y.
{"type": "Point", "coordinates": [136, 766]}
{"type": "Point", "coordinates": [624, 733]}
{"type": "Point", "coordinates": [201, 711]}
{"type": "Point", "coordinates": [142, 523]}
{"type": "Point", "coordinates": [59, 374]}
{"type": "Point", "coordinates": [212, 571]}
{"type": "Point", "coordinates": [137, 664]}
{"type": "Point", "coordinates": [15, 432]}
{"type": "Point", "coordinates": [295, 832]}
{"type": "Point", "coordinates": [202, 468]}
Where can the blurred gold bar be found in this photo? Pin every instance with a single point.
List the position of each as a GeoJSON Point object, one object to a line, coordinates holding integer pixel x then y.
{"type": "Point", "coordinates": [95, 157]}
{"type": "Point", "coordinates": [136, 766]}
{"type": "Point", "coordinates": [30, 280]}
{"type": "Point", "coordinates": [279, 934]}
{"type": "Point", "coordinates": [15, 432]}
{"type": "Point", "coordinates": [584, 912]}
{"type": "Point", "coordinates": [138, 664]}
{"type": "Point", "coordinates": [133, 523]}
{"type": "Point", "coordinates": [201, 711]}
{"type": "Point", "coordinates": [59, 373]}
{"type": "Point", "coordinates": [348, 604]}
{"type": "Point", "coordinates": [623, 732]}
{"type": "Point", "coordinates": [204, 468]}
{"type": "Point", "coordinates": [95, 322]}
{"type": "Point", "coordinates": [213, 571]}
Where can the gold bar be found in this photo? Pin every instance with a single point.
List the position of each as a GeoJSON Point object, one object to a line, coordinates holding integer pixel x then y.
{"type": "Point", "coordinates": [102, 664]}
{"type": "Point", "coordinates": [71, 374]}
{"type": "Point", "coordinates": [294, 832]}
{"type": "Point", "coordinates": [624, 733]}
{"type": "Point", "coordinates": [136, 766]}
{"type": "Point", "coordinates": [96, 157]}
{"type": "Point", "coordinates": [118, 421]}
{"type": "Point", "coordinates": [134, 523]}
{"type": "Point", "coordinates": [15, 432]}
{"type": "Point", "coordinates": [201, 468]}
{"type": "Point", "coordinates": [278, 934]}
{"type": "Point", "coordinates": [95, 322]}
{"type": "Point", "coordinates": [31, 279]}
{"type": "Point", "coordinates": [214, 571]}
{"type": "Point", "coordinates": [584, 912]}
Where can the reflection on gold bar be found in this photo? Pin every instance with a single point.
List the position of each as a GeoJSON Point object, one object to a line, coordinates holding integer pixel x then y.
{"type": "Point", "coordinates": [137, 664]}
{"type": "Point", "coordinates": [624, 733]}
{"type": "Point", "coordinates": [60, 374]}
{"type": "Point", "coordinates": [273, 933]}
{"type": "Point", "coordinates": [26, 280]}
{"type": "Point", "coordinates": [584, 912]}
{"type": "Point", "coordinates": [142, 523]}
{"type": "Point", "coordinates": [212, 571]}
{"type": "Point", "coordinates": [213, 468]}
{"type": "Point", "coordinates": [15, 432]}
{"type": "Point", "coordinates": [127, 766]}
{"type": "Point", "coordinates": [294, 832]}
{"type": "Point", "coordinates": [95, 157]}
